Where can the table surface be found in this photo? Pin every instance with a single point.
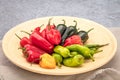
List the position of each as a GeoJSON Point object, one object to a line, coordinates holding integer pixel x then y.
{"type": "Point", "coordinates": [17, 11]}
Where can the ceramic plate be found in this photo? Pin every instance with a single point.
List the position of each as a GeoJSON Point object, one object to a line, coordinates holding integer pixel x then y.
{"type": "Point", "coordinates": [100, 35]}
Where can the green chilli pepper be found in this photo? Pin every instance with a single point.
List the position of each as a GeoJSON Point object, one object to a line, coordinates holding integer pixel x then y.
{"type": "Point", "coordinates": [63, 51]}
{"type": "Point", "coordinates": [75, 61]}
{"type": "Point", "coordinates": [58, 59]}
{"type": "Point", "coordinates": [83, 50]}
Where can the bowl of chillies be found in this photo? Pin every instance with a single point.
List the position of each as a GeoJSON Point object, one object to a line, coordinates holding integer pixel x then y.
{"type": "Point", "coordinates": [59, 45]}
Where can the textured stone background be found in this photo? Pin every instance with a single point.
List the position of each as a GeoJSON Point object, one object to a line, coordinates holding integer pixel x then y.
{"type": "Point", "coordinates": [13, 12]}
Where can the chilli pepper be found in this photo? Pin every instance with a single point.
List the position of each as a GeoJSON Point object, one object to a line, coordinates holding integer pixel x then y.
{"type": "Point", "coordinates": [63, 51]}
{"type": "Point", "coordinates": [28, 47]}
{"type": "Point", "coordinates": [40, 42]}
{"type": "Point", "coordinates": [61, 28]}
{"type": "Point", "coordinates": [32, 53]}
{"type": "Point", "coordinates": [47, 28]}
{"type": "Point", "coordinates": [75, 39]}
{"type": "Point", "coordinates": [83, 50]}
{"type": "Point", "coordinates": [68, 32]}
{"type": "Point", "coordinates": [74, 31]}
{"type": "Point", "coordinates": [58, 59]}
{"type": "Point", "coordinates": [47, 61]}
{"type": "Point", "coordinates": [75, 61]}
{"type": "Point", "coordinates": [24, 41]}
{"type": "Point", "coordinates": [84, 35]}
{"type": "Point", "coordinates": [95, 47]}
{"type": "Point", "coordinates": [33, 56]}
{"type": "Point", "coordinates": [37, 29]}
{"type": "Point", "coordinates": [53, 36]}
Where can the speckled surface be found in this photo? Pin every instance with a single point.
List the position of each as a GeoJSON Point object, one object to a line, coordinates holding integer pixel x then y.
{"type": "Point", "coordinates": [13, 12]}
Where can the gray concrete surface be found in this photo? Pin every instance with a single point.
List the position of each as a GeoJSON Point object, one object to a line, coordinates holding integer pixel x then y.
{"type": "Point", "coordinates": [13, 12]}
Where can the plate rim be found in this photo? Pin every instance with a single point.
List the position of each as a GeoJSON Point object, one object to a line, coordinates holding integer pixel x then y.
{"type": "Point", "coordinates": [4, 37]}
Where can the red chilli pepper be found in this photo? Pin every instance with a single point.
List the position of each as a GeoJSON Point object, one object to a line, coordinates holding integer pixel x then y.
{"type": "Point", "coordinates": [33, 56]}
{"type": "Point", "coordinates": [44, 31]}
{"type": "Point", "coordinates": [40, 42]}
{"type": "Point", "coordinates": [75, 39]}
{"type": "Point", "coordinates": [32, 53]}
{"type": "Point", "coordinates": [37, 29]}
{"type": "Point", "coordinates": [28, 47]}
{"type": "Point", "coordinates": [24, 41]}
{"type": "Point", "coordinates": [53, 36]}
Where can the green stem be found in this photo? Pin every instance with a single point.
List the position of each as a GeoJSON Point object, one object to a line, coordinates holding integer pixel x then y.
{"type": "Point", "coordinates": [26, 32]}
{"type": "Point", "coordinates": [49, 21]}
{"type": "Point", "coordinates": [41, 25]}
{"type": "Point", "coordinates": [91, 57]}
{"type": "Point", "coordinates": [90, 30]}
{"type": "Point", "coordinates": [59, 65]}
{"type": "Point", "coordinates": [64, 22]}
{"type": "Point", "coordinates": [75, 23]}
{"type": "Point", "coordinates": [18, 36]}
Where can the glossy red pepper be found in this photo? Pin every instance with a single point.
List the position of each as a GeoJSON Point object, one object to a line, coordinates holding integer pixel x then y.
{"type": "Point", "coordinates": [53, 36]}
{"type": "Point", "coordinates": [24, 41]}
{"type": "Point", "coordinates": [43, 33]}
{"type": "Point", "coordinates": [40, 42]}
{"type": "Point", "coordinates": [37, 29]}
{"type": "Point", "coordinates": [75, 39]}
{"type": "Point", "coordinates": [32, 53]}
{"type": "Point", "coordinates": [33, 56]}
{"type": "Point", "coordinates": [48, 27]}
{"type": "Point", "coordinates": [28, 47]}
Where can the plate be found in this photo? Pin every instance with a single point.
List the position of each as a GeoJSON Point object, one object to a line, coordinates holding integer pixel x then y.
{"type": "Point", "coordinates": [99, 35]}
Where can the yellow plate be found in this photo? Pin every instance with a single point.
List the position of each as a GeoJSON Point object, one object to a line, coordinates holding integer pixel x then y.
{"type": "Point", "coordinates": [99, 35]}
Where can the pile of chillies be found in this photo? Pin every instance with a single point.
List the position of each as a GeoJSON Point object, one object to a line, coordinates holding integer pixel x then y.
{"type": "Point", "coordinates": [58, 45]}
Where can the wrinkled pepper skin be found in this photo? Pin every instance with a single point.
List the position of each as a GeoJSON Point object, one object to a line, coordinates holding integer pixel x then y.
{"type": "Point", "coordinates": [47, 61]}
{"type": "Point", "coordinates": [75, 61]}
{"type": "Point", "coordinates": [75, 39]}
{"type": "Point", "coordinates": [64, 52]}
{"type": "Point", "coordinates": [40, 42]}
{"type": "Point", "coordinates": [53, 36]}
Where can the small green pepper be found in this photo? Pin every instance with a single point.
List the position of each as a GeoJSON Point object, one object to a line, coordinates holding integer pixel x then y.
{"type": "Point", "coordinates": [58, 59]}
{"type": "Point", "coordinates": [63, 51]}
{"type": "Point", "coordinates": [75, 61]}
{"type": "Point", "coordinates": [83, 50]}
